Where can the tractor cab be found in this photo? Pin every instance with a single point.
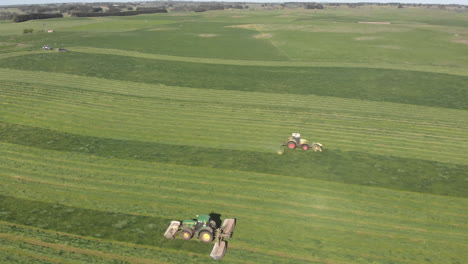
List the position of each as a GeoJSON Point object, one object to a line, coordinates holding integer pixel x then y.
{"type": "Point", "coordinates": [198, 223]}
{"type": "Point", "coordinates": [205, 219]}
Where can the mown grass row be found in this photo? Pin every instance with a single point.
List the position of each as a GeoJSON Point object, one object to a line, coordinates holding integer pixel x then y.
{"type": "Point", "coordinates": [134, 116]}
{"type": "Point", "coordinates": [136, 125]}
{"type": "Point", "coordinates": [112, 114]}
{"type": "Point", "coordinates": [350, 167]}
{"type": "Point", "coordinates": [169, 174]}
{"type": "Point", "coordinates": [461, 71]}
{"type": "Point", "coordinates": [92, 170]}
{"type": "Point", "coordinates": [329, 211]}
{"type": "Point", "coordinates": [61, 247]}
{"type": "Point", "coordinates": [396, 86]}
{"type": "Point", "coordinates": [80, 84]}
{"type": "Point", "coordinates": [108, 118]}
{"type": "Point", "coordinates": [155, 97]}
{"type": "Point", "coordinates": [149, 95]}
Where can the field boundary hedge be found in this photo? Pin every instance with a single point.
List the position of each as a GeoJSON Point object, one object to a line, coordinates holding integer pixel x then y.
{"type": "Point", "coordinates": [23, 18]}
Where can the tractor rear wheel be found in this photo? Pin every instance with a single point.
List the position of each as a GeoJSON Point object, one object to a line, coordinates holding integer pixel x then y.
{"type": "Point", "coordinates": [206, 236]}
{"type": "Point", "coordinates": [187, 234]}
{"type": "Point", "coordinates": [291, 145]}
{"type": "Point", "coordinates": [305, 147]}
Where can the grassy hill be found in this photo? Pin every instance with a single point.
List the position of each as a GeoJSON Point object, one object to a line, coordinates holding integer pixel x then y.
{"type": "Point", "coordinates": [161, 117]}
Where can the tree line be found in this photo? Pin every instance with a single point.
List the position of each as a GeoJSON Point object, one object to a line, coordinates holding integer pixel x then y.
{"type": "Point", "coordinates": [22, 18]}
{"type": "Point", "coordinates": [121, 13]}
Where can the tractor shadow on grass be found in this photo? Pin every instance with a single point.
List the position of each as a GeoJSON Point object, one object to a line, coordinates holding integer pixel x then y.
{"type": "Point", "coordinates": [216, 217]}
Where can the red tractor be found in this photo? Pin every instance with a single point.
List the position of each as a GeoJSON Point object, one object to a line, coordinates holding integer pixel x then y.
{"type": "Point", "coordinates": [295, 141]}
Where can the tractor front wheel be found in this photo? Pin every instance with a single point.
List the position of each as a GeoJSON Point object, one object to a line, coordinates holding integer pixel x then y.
{"type": "Point", "coordinates": [291, 145]}
{"type": "Point", "coordinates": [305, 147]}
{"type": "Point", "coordinates": [187, 234]}
{"type": "Point", "coordinates": [206, 236]}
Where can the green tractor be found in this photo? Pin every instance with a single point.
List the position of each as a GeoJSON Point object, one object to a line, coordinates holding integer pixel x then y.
{"type": "Point", "coordinates": [206, 228]}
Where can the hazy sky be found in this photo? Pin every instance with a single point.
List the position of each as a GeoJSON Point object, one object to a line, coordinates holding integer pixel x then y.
{"type": "Point", "coordinates": [22, 2]}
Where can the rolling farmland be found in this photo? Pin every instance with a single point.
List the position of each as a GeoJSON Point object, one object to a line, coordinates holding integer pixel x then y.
{"type": "Point", "coordinates": [161, 117]}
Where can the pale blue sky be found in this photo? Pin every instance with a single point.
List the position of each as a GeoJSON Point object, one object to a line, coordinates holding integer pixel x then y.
{"type": "Point", "coordinates": [460, 2]}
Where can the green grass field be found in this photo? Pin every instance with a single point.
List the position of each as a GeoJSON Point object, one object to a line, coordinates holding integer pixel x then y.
{"type": "Point", "coordinates": [161, 117]}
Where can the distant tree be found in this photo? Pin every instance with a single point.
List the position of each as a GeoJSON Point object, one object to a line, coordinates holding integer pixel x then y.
{"type": "Point", "coordinates": [28, 8]}
{"type": "Point", "coordinates": [113, 9]}
{"type": "Point", "coordinates": [22, 18]}
{"type": "Point", "coordinates": [180, 8]}
{"type": "Point", "coordinates": [47, 9]}
{"type": "Point", "coordinates": [7, 15]}
{"type": "Point", "coordinates": [123, 13]}
{"type": "Point", "coordinates": [314, 6]}
{"type": "Point", "coordinates": [400, 6]}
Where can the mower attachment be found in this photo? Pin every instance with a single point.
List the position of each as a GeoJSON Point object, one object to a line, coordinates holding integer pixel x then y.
{"type": "Point", "coordinates": [171, 231]}
{"type": "Point", "coordinates": [219, 250]}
